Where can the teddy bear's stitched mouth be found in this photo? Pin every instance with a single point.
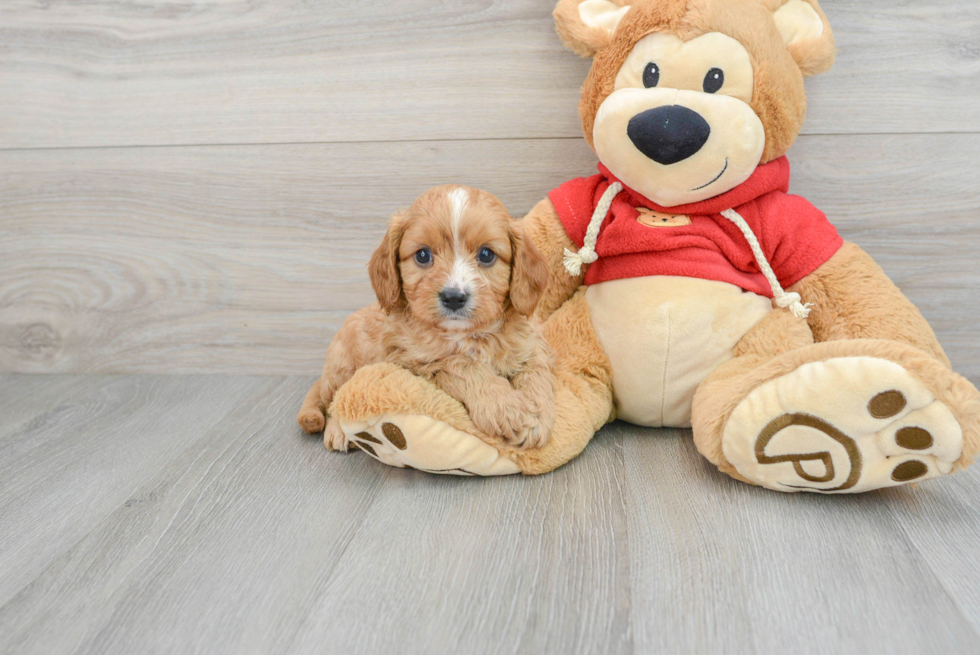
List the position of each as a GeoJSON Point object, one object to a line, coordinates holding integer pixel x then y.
{"type": "Point", "coordinates": [717, 177]}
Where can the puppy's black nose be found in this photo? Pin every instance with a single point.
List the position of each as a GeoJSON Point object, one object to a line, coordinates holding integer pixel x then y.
{"type": "Point", "coordinates": [453, 298]}
{"type": "Point", "coordinates": [668, 134]}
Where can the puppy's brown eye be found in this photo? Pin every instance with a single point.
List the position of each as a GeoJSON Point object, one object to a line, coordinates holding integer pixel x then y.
{"type": "Point", "coordinates": [486, 257]}
{"type": "Point", "coordinates": [423, 257]}
{"type": "Point", "coordinates": [714, 80]}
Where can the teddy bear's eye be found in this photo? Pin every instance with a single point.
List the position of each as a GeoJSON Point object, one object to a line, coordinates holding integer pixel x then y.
{"type": "Point", "coordinates": [713, 80]}
{"type": "Point", "coordinates": [651, 75]}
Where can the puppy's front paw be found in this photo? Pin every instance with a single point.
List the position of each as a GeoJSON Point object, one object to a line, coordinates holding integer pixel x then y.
{"type": "Point", "coordinates": [535, 432]}
{"type": "Point", "coordinates": [514, 421]}
{"type": "Point", "coordinates": [523, 429]}
{"type": "Point", "coordinates": [333, 437]}
{"type": "Point", "coordinates": [531, 436]}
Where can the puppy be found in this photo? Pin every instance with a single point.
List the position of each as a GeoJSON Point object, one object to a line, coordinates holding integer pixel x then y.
{"type": "Point", "coordinates": [457, 284]}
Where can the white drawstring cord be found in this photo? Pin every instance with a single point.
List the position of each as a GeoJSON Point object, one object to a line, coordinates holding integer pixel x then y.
{"type": "Point", "coordinates": [790, 300]}
{"type": "Point", "coordinates": [586, 254]}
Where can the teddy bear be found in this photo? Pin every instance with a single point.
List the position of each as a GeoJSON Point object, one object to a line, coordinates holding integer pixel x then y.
{"type": "Point", "coordinates": [688, 288]}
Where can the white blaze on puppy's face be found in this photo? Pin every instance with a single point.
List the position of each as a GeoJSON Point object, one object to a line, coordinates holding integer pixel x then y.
{"type": "Point", "coordinates": [458, 199]}
{"type": "Point", "coordinates": [463, 272]}
{"type": "Point", "coordinates": [452, 225]}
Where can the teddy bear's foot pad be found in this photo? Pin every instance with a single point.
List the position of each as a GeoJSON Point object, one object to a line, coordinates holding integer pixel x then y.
{"type": "Point", "coordinates": [843, 425]}
{"type": "Point", "coordinates": [420, 442]}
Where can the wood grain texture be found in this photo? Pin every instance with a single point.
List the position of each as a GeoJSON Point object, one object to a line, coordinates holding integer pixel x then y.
{"type": "Point", "coordinates": [62, 472]}
{"type": "Point", "coordinates": [717, 566]}
{"type": "Point", "coordinates": [223, 550]}
{"type": "Point", "coordinates": [942, 522]}
{"type": "Point", "coordinates": [24, 397]}
{"type": "Point", "coordinates": [245, 259]}
{"type": "Point", "coordinates": [455, 570]}
{"type": "Point", "coordinates": [251, 538]}
{"type": "Point", "coordinates": [257, 540]}
{"type": "Point", "coordinates": [109, 72]}
{"type": "Point", "coordinates": [260, 252]}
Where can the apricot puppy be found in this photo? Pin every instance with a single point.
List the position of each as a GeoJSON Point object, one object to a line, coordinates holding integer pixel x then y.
{"type": "Point", "coordinates": [457, 284]}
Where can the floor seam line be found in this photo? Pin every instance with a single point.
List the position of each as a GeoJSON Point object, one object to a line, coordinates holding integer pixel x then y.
{"type": "Point", "coordinates": [320, 142]}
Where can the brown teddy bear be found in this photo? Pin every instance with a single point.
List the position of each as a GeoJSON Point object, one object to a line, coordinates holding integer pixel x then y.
{"type": "Point", "coordinates": [688, 288]}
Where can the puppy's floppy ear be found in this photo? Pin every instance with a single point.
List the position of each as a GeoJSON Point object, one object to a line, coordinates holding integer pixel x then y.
{"type": "Point", "coordinates": [528, 272]}
{"type": "Point", "coordinates": [806, 33]}
{"type": "Point", "coordinates": [383, 267]}
{"type": "Point", "coordinates": [587, 26]}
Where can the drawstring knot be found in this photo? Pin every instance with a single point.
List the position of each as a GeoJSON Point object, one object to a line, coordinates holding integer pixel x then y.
{"type": "Point", "coordinates": [586, 254]}
{"type": "Point", "coordinates": [794, 302]}
{"type": "Point", "coordinates": [573, 260]}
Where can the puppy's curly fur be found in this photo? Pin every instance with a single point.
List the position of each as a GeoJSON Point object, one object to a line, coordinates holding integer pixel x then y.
{"type": "Point", "coordinates": [457, 284]}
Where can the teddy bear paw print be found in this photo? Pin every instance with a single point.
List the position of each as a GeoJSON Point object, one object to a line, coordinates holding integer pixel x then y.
{"type": "Point", "coordinates": [843, 425]}
{"type": "Point", "coordinates": [425, 444]}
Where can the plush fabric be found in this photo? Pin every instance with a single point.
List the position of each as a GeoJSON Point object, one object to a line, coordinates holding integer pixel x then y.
{"type": "Point", "coordinates": [815, 428]}
{"type": "Point", "coordinates": [853, 299]}
{"type": "Point", "coordinates": [795, 236]}
{"type": "Point", "coordinates": [778, 96]}
{"type": "Point", "coordinates": [672, 324]}
{"type": "Point", "coordinates": [688, 327]}
{"type": "Point", "coordinates": [721, 393]}
{"type": "Point", "coordinates": [543, 227]}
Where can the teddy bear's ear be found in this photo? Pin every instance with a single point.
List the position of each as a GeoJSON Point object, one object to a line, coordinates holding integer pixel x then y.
{"type": "Point", "coordinates": [806, 33]}
{"type": "Point", "coordinates": [588, 26]}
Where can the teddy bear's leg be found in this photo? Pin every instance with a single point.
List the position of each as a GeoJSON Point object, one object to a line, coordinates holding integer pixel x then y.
{"type": "Point", "coordinates": [405, 421]}
{"type": "Point", "coordinates": [852, 298]}
{"type": "Point", "coordinates": [778, 333]}
{"type": "Point", "coordinates": [874, 404]}
{"type": "Point", "coordinates": [838, 417]}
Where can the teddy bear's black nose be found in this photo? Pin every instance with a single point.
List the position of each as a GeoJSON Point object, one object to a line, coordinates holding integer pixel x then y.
{"type": "Point", "coordinates": [668, 134]}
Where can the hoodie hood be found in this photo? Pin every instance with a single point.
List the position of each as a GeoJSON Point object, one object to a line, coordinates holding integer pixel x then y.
{"type": "Point", "coordinates": [766, 178]}
{"type": "Point", "coordinates": [794, 236]}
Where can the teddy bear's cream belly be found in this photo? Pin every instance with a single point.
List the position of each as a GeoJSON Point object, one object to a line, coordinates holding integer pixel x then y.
{"type": "Point", "coordinates": [663, 335]}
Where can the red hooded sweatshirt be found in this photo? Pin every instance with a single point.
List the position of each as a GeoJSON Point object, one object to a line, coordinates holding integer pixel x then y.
{"type": "Point", "coordinates": [795, 236]}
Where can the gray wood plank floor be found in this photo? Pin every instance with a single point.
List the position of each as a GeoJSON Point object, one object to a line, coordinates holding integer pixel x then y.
{"type": "Point", "coordinates": [188, 514]}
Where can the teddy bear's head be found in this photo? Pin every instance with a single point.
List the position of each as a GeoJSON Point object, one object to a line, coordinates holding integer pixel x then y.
{"type": "Point", "coordinates": [686, 98]}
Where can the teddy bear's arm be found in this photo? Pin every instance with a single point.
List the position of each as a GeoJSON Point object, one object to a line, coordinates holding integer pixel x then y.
{"type": "Point", "coordinates": [546, 231]}
{"type": "Point", "coordinates": [853, 299]}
